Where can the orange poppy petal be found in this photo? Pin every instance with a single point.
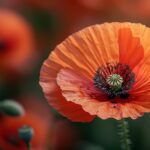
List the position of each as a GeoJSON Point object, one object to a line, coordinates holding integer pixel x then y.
{"type": "Point", "coordinates": [142, 100]}
{"type": "Point", "coordinates": [120, 110]}
{"type": "Point", "coordinates": [52, 92]}
{"type": "Point", "coordinates": [78, 89]}
{"type": "Point", "coordinates": [68, 109]}
{"type": "Point", "coordinates": [75, 89]}
{"type": "Point", "coordinates": [132, 110]}
{"type": "Point", "coordinates": [129, 46]}
{"type": "Point", "coordinates": [142, 84]}
{"type": "Point", "coordinates": [87, 49]}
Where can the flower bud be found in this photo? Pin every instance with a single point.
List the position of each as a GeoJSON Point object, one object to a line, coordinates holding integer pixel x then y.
{"type": "Point", "coordinates": [26, 134]}
{"type": "Point", "coordinates": [11, 108]}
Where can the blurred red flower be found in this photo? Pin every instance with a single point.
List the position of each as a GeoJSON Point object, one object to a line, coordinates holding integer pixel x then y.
{"type": "Point", "coordinates": [136, 8]}
{"type": "Point", "coordinates": [38, 118]}
{"type": "Point", "coordinates": [16, 42]}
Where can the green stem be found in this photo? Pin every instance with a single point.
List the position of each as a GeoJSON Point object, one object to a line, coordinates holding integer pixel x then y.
{"type": "Point", "coordinates": [28, 146]}
{"type": "Point", "coordinates": [124, 135]}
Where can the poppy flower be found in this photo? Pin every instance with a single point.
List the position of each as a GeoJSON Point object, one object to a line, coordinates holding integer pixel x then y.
{"type": "Point", "coordinates": [16, 42]}
{"type": "Point", "coordinates": [35, 118]}
{"type": "Point", "coordinates": [102, 70]}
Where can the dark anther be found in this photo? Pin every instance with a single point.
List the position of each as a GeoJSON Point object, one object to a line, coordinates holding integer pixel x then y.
{"type": "Point", "coordinates": [105, 82]}
{"type": "Point", "coordinates": [124, 96]}
{"type": "Point", "coordinates": [111, 96]}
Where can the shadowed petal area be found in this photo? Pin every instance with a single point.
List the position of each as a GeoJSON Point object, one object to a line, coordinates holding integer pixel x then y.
{"type": "Point", "coordinates": [52, 92]}
{"type": "Point", "coordinates": [78, 89]}
{"type": "Point", "coordinates": [69, 109]}
{"type": "Point", "coordinates": [131, 51]}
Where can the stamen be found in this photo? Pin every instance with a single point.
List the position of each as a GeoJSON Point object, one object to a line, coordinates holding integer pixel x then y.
{"type": "Point", "coordinates": [114, 80]}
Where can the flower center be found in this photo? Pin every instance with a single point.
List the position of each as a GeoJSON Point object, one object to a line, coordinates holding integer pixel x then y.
{"type": "Point", "coordinates": [114, 80]}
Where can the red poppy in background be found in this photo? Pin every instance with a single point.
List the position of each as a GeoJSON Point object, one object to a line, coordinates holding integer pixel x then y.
{"type": "Point", "coordinates": [37, 116]}
{"type": "Point", "coordinates": [16, 42]}
{"type": "Point", "coordinates": [136, 8]}
{"type": "Point", "coordinates": [102, 70]}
